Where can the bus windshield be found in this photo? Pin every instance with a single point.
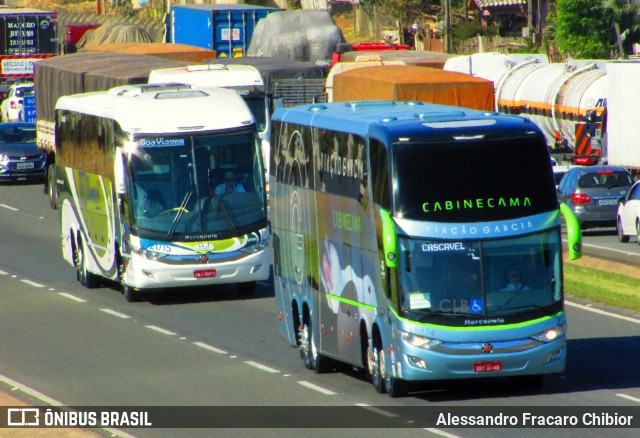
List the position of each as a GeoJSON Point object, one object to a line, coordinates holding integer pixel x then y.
{"type": "Point", "coordinates": [480, 278]}
{"type": "Point", "coordinates": [472, 181]}
{"type": "Point", "coordinates": [197, 184]}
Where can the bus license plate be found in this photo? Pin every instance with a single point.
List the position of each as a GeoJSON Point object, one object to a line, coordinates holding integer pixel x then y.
{"type": "Point", "coordinates": [22, 166]}
{"type": "Point", "coordinates": [204, 273]}
{"type": "Point", "coordinates": [487, 367]}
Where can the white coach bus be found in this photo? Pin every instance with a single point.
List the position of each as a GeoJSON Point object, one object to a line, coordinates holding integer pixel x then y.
{"type": "Point", "coordinates": [161, 186]}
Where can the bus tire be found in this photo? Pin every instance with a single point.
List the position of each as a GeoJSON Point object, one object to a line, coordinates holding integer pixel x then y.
{"type": "Point", "coordinates": [395, 387]}
{"type": "Point", "coordinates": [87, 279]}
{"type": "Point", "coordinates": [376, 369]}
{"type": "Point", "coordinates": [52, 186]}
{"type": "Point", "coordinates": [130, 294]}
{"type": "Point", "coordinates": [304, 342]}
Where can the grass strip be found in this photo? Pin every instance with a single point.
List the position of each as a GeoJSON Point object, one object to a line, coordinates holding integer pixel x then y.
{"type": "Point", "coordinates": [602, 287]}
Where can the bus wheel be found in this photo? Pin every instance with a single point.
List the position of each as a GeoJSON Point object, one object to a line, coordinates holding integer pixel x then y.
{"type": "Point", "coordinates": [52, 186]}
{"type": "Point", "coordinates": [304, 340]}
{"type": "Point", "coordinates": [375, 360]}
{"type": "Point", "coordinates": [129, 293]}
{"type": "Point", "coordinates": [246, 289]}
{"type": "Point", "coordinates": [87, 279]}
{"type": "Point", "coordinates": [395, 387]}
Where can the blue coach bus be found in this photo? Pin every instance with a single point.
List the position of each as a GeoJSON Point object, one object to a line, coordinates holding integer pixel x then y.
{"type": "Point", "coordinates": [397, 227]}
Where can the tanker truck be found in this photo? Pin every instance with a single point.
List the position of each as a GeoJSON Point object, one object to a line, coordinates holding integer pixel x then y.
{"type": "Point", "coordinates": [566, 100]}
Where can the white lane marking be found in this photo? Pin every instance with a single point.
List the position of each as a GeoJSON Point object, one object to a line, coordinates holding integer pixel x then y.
{"type": "Point", "coordinates": [316, 387]}
{"type": "Point", "coordinates": [376, 410]}
{"type": "Point", "coordinates": [603, 312]}
{"type": "Point", "coordinates": [441, 433]}
{"type": "Point", "coordinates": [628, 397]}
{"type": "Point", "coordinates": [4, 273]}
{"type": "Point", "coordinates": [72, 297]}
{"type": "Point", "coordinates": [8, 207]}
{"type": "Point", "coordinates": [209, 347]}
{"type": "Point", "coordinates": [261, 367]}
{"type": "Point", "coordinates": [160, 330]}
{"type": "Point", "coordinates": [53, 402]}
{"type": "Point", "coordinates": [628, 253]}
{"type": "Point", "coordinates": [114, 313]}
{"type": "Point", "coordinates": [32, 283]}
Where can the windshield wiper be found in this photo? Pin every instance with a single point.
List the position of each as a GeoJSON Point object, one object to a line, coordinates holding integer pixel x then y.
{"type": "Point", "coordinates": [225, 213]}
{"type": "Point", "coordinates": [179, 214]}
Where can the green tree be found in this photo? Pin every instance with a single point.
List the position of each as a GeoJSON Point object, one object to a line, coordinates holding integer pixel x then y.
{"type": "Point", "coordinates": [584, 29]}
{"type": "Point", "coordinates": [405, 12]}
{"type": "Point", "coordinates": [625, 17]}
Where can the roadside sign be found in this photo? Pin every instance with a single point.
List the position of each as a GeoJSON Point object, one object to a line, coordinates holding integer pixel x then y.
{"type": "Point", "coordinates": [29, 109]}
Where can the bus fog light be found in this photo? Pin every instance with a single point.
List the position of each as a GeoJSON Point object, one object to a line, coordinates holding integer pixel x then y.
{"type": "Point", "coordinates": [150, 274]}
{"type": "Point", "coordinates": [256, 268]}
{"type": "Point", "coordinates": [417, 362]}
{"type": "Point", "coordinates": [554, 356]}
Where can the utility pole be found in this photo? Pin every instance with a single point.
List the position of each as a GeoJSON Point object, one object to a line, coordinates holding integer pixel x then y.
{"type": "Point", "coordinates": [448, 41]}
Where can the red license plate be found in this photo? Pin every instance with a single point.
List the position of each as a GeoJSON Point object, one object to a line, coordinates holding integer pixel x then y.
{"type": "Point", "coordinates": [487, 367]}
{"type": "Point", "coordinates": [204, 273]}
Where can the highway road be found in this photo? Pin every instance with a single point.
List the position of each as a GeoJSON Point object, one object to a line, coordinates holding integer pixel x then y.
{"type": "Point", "coordinates": [81, 347]}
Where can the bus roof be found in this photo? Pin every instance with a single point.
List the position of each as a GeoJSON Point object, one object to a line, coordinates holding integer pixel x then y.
{"type": "Point", "coordinates": [209, 75]}
{"type": "Point", "coordinates": [164, 108]}
{"type": "Point", "coordinates": [393, 119]}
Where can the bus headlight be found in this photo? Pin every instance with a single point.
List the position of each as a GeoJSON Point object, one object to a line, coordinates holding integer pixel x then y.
{"type": "Point", "coordinates": [255, 248]}
{"type": "Point", "coordinates": [419, 341]}
{"type": "Point", "coordinates": [150, 255]}
{"type": "Point", "coordinates": [551, 334]}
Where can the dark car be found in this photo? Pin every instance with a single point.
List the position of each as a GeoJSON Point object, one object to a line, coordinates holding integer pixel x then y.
{"type": "Point", "coordinates": [20, 157]}
{"type": "Point", "coordinates": [593, 192]}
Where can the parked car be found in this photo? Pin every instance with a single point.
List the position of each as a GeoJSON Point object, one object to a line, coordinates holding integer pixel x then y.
{"type": "Point", "coordinates": [628, 221]}
{"type": "Point", "coordinates": [20, 157]}
{"type": "Point", "coordinates": [593, 192]}
{"type": "Point", "coordinates": [11, 107]}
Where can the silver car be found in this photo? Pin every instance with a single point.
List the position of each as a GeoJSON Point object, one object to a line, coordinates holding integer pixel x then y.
{"type": "Point", "coordinates": [593, 192]}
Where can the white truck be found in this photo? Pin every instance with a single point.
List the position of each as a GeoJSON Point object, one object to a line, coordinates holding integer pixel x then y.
{"type": "Point", "coordinates": [623, 95]}
{"type": "Point", "coordinates": [244, 79]}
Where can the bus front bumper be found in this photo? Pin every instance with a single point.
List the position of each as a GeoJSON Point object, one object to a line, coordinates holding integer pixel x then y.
{"type": "Point", "coordinates": [416, 364]}
{"type": "Point", "coordinates": [143, 273]}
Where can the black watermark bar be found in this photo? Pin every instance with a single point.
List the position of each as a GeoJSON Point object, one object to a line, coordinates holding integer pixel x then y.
{"type": "Point", "coordinates": [389, 417]}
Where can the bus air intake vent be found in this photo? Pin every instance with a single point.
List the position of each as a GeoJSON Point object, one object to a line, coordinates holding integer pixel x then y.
{"type": "Point", "coordinates": [181, 94]}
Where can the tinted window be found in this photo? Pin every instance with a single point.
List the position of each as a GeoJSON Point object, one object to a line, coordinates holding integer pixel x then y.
{"type": "Point", "coordinates": [472, 181]}
{"type": "Point", "coordinates": [604, 179]}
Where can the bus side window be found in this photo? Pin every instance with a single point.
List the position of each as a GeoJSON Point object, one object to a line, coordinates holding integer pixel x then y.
{"type": "Point", "coordinates": [380, 174]}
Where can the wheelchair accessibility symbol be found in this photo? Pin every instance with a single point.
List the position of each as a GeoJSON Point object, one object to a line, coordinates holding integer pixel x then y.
{"type": "Point", "coordinates": [476, 305]}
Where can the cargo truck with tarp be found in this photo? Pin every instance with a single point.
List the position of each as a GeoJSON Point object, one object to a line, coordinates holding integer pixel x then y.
{"type": "Point", "coordinates": [81, 73]}
{"type": "Point", "coordinates": [407, 83]}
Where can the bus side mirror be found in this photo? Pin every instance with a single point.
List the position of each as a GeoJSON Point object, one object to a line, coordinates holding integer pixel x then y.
{"type": "Point", "coordinates": [574, 235]}
{"type": "Point", "coordinates": [118, 172]}
{"type": "Point", "coordinates": [389, 239]}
